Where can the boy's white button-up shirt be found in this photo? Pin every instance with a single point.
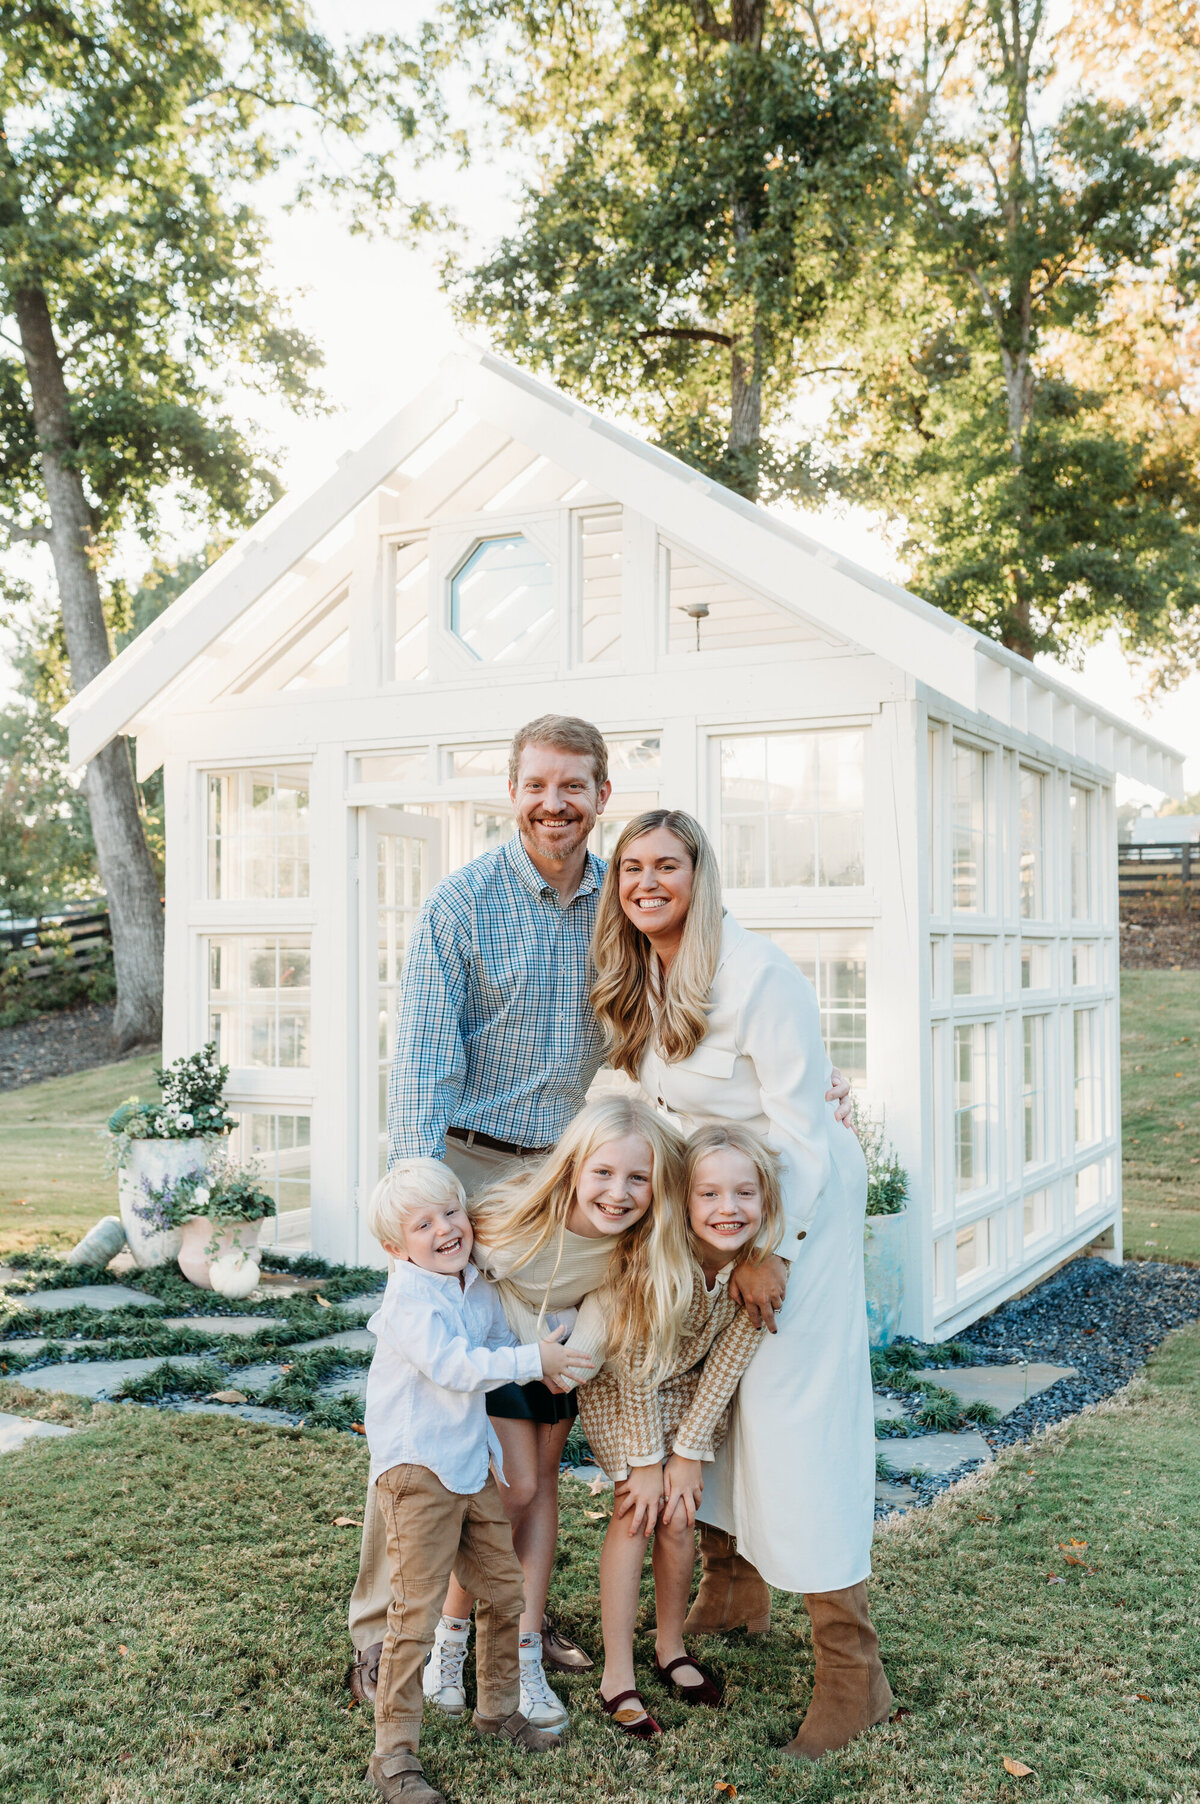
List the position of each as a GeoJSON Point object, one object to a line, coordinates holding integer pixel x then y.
{"type": "Point", "coordinates": [439, 1346]}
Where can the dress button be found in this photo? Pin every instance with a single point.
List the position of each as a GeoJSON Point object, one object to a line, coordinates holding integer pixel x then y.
{"type": "Point", "coordinates": [803, 1234]}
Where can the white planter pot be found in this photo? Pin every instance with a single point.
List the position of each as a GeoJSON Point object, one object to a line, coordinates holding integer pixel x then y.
{"type": "Point", "coordinates": [206, 1241]}
{"type": "Point", "coordinates": [885, 1237]}
{"type": "Point", "coordinates": [150, 1165]}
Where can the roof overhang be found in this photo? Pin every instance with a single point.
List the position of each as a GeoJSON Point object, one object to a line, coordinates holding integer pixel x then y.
{"type": "Point", "coordinates": [938, 651]}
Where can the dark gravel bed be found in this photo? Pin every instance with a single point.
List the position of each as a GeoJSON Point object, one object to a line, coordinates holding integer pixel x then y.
{"type": "Point", "coordinates": [1105, 1320]}
{"type": "Point", "coordinates": [76, 1039]}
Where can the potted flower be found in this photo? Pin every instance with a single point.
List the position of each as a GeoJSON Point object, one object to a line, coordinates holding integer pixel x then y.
{"type": "Point", "coordinates": [157, 1144]}
{"type": "Point", "coordinates": [219, 1212]}
{"type": "Point", "coordinates": [885, 1231]}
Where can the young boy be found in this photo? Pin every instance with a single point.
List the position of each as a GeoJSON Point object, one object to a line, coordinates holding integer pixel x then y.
{"type": "Point", "coordinates": [442, 1341]}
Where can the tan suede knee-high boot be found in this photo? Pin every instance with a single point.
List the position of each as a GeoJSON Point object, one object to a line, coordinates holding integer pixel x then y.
{"type": "Point", "coordinates": [850, 1689]}
{"type": "Point", "coordinates": [731, 1594]}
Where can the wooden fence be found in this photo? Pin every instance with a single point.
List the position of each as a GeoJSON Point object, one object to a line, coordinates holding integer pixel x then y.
{"type": "Point", "coordinates": [88, 937]}
{"type": "Point", "coordinates": [1166, 876]}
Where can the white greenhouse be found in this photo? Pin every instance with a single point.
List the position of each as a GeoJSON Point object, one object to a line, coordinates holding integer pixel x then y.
{"type": "Point", "coordinates": [922, 820]}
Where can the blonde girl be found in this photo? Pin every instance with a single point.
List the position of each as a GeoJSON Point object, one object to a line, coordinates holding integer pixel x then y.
{"type": "Point", "coordinates": [601, 1206]}
{"type": "Point", "coordinates": [660, 1409]}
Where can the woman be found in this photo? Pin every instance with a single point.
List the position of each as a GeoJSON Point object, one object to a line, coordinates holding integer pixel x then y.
{"type": "Point", "coordinates": [717, 1023]}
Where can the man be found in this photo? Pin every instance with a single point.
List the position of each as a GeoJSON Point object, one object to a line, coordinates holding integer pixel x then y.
{"type": "Point", "coordinates": [496, 1045]}
{"type": "Point", "coordinates": [496, 1042]}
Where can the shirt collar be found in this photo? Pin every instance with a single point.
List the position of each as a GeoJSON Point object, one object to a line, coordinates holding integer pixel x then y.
{"type": "Point", "coordinates": [530, 878]}
{"type": "Point", "coordinates": [415, 1278]}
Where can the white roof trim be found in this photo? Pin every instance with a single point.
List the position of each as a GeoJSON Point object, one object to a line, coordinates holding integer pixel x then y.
{"type": "Point", "coordinates": [942, 653]}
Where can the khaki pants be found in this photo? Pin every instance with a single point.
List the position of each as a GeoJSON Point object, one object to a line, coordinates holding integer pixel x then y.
{"type": "Point", "coordinates": [431, 1532]}
{"type": "Point", "coordinates": [475, 1167]}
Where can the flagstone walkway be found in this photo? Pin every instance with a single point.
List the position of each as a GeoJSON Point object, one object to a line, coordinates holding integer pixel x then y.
{"type": "Point", "coordinates": [1105, 1318]}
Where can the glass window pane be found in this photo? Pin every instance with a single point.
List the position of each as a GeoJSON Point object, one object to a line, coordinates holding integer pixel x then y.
{"type": "Point", "coordinates": [972, 968]}
{"type": "Point", "coordinates": [257, 830]}
{"type": "Point", "coordinates": [970, 1107]}
{"type": "Point", "coordinates": [835, 963]}
{"type": "Point", "coordinates": [600, 585]}
{"type": "Point", "coordinates": [1036, 1214]}
{"type": "Point", "coordinates": [1082, 886]}
{"type": "Point", "coordinates": [1087, 1078]}
{"type": "Point", "coordinates": [968, 830]}
{"type": "Point", "coordinates": [478, 760]}
{"type": "Point", "coordinates": [259, 999]}
{"type": "Point", "coordinates": [392, 767]}
{"type": "Point", "coordinates": [1033, 1087]}
{"type": "Point", "coordinates": [641, 753]}
{"type": "Point", "coordinates": [744, 853]}
{"type": "Point", "coordinates": [792, 809]}
{"type": "Point", "coordinates": [501, 599]}
{"type": "Point", "coordinates": [1032, 851]}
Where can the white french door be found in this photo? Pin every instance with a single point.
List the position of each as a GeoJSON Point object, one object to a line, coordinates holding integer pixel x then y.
{"type": "Point", "coordinates": [400, 860]}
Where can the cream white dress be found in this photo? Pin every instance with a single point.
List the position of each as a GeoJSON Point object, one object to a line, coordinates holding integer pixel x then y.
{"type": "Point", "coordinates": [795, 1478]}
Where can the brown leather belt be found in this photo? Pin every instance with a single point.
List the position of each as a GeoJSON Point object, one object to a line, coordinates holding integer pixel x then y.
{"type": "Point", "coordinates": [473, 1137]}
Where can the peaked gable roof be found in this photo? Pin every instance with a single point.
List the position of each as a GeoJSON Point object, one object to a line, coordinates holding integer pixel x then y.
{"type": "Point", "coordinates": [783, 562]}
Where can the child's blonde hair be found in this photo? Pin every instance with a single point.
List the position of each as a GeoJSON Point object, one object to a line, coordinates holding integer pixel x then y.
{"type": "Point", "coordinates": [649, 1280]}
{"type": "Point", "coordinates": [410, 1186]}
{"type": "Point", "coordinates": [713, 1137]}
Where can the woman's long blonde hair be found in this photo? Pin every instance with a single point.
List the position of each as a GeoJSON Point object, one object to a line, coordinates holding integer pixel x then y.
{"type": "Point", "coordinates": [623, 961]}
{"type": "Point", "coordinates": [648, 1284]}
{"type": "Point", "coordinates": [713, 1137]}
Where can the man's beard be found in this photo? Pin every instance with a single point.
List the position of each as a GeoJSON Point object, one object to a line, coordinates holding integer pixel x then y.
{"type": "Point", "coordinates": [556, 845]}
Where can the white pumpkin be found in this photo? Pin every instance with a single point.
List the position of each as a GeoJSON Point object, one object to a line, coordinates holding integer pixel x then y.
{"type": "Point", "coordinates": [233, 1274]}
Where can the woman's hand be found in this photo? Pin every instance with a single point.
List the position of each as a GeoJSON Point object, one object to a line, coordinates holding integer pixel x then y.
{"type": "Point", "coordinates": [760, 1289]}
{"type": "Point", "coordinates": [640, 1498]}
{"type": "Point", "coordinates": [683, 1487]}
{"type": "Point", "coordinates": [838, 1093]}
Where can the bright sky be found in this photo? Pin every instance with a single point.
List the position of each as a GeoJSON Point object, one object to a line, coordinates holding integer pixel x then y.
{"type": "Point", "coordinates": [377, 311]}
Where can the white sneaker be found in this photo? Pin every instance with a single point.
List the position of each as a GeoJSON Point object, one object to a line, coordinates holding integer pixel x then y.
{"type": "Point", "coordinates": [539, 1705]}
{"type": "Point", "coordinates": [442, 1679]}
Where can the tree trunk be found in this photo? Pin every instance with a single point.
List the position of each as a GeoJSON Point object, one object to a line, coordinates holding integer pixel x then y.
{"type": "Point", "coordinates": [1018, 384]}
{"type": "Point", "coordinates": [127, 870]}
{"type": "Point", "coordinates": [745, 414]}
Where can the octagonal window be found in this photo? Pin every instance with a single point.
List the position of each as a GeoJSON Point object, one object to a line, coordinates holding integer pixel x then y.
{"type": "Point", "coordinates": [501, 599]}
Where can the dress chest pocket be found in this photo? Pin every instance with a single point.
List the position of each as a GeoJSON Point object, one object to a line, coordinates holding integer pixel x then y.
{"type": "Point", "coordinates": [710, 1061]}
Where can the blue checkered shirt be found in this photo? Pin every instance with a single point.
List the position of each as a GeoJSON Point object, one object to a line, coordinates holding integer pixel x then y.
{"type": "Point", "coordinates": [495, 1029]}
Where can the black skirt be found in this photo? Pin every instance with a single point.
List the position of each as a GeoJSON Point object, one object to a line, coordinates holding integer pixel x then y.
{"type": "Point", "coordinates": [532, 1403]}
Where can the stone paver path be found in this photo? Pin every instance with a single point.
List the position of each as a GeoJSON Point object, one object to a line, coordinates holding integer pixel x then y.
{"type": "Point", "coordinates": [34, 1343]}
{"type": "Point", "coordinates": [888, 1409]}
{"type": "Point", "coordinates": [1005, 1387]}
{"type": "Point", "coordinates": [357, 1340]}
{"type": "Point", "coordinates": [98, 1377]}
{"type": "Point", "coordinates": [89, 1296]}
{"type": "Point", "coordinates": [224, 1324]}
{"type": "Point", "coordinates": [245, 1412]}
{"type": "Point", "coordinates": [16, 1430]}
{"type": "Point", "coordinates": [934, 1453]}
{"type": "Point", "coordinates": [366, 1304]}
{"type": "Point", "coordinates": [351, 1384]}
{"type": "Point", "coordinates": [255, 1378]}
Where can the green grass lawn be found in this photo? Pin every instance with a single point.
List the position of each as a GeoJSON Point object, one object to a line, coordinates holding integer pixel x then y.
{"type": "Point", "coordinates": [172, 1593]}
{"type": "Point", "coordinates": [53, 1183]}
{"type": "Point", "coordinates": [1160, 1106]}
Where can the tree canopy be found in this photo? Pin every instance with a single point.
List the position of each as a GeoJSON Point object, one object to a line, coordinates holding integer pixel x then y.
{"type": "Point", "coordinates": [974, 219]}
{"type": "Point", "coordinates": [699, 204]}
{"type": "Point", "coordinates": [134, 283]}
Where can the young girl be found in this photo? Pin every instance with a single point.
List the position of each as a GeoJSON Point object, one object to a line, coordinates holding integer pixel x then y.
{"type": "Point", "coordinates": [660, 1407]}
{"type": "Point", "coordinates": [600, 1205]}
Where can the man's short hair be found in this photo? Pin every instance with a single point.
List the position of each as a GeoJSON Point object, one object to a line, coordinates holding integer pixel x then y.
{"type": "Point", "coordinates": [566, 733]}
{"type": "Point", "coordinates": [409, 1187]}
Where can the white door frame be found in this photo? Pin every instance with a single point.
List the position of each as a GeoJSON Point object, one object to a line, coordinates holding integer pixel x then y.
{"type": "Point", "coordinates": [375, 824]}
